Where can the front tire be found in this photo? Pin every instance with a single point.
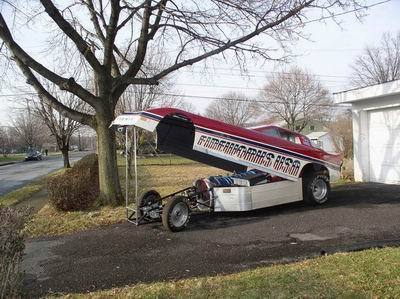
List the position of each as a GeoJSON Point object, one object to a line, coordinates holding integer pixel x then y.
{"type": "Point", "coordinates": [316, 188]}
{"type": "Point", "coordinates": [176, 214]}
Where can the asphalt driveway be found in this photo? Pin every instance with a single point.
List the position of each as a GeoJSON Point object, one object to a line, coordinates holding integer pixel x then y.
{"type": "Point", "coordinates": [358, 216]}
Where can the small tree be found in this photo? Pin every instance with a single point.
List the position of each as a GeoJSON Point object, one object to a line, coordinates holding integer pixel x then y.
{"type": "Point", "coordinates": [234, 108]}
{"type": "Point", "coordinates": [342, 132]}
{"type": "Point", "coordinates": [61, 127]}
{"type": "Point", "coordinates": [5, 141]}
{"type": "Point", "coordinates": [296, 97]}
{"type": "Point", "coordinates": [29, 129]}
{"type": "Point", "coordinates": [378, 64]}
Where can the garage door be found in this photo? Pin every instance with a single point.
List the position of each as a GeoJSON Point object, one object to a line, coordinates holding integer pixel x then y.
{"type": "Point", "coordinates": [384, 145]}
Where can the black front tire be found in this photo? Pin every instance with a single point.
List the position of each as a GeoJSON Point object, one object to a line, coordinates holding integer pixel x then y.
{"type": "Point", "coordinates": [316, 188]}
{"type": "Point", "coordinates": [176, 214]}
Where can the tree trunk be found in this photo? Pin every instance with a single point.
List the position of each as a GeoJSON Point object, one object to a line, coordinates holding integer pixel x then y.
{"type": "Point", "coordinates": [64, 152]}
{"type": "Point", "coordinates": [110, 189]}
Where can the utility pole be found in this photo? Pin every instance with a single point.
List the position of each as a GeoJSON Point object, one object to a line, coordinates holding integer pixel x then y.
{"type": "Point", "coordinates": [79, 141]}
{"type": "Point", "coordinates": [29, 125]}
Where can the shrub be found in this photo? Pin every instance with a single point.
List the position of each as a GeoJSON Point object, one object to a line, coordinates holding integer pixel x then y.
{"type": "Point", "coordinates": [77, 188]}
{"type": "Point", "coordinates": [347, 170]}
{"type": "Point", "coordinates": [11, 250]}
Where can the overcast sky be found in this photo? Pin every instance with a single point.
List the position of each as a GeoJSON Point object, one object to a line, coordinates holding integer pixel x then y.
{"type": "Point", "coordinates": [328, 54]}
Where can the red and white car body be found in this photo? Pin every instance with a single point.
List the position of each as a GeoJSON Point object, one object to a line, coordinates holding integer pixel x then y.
{"type": "Point", "coordinates": [230, 147]}
{"type": "Point", "coordinates": [296, 170]}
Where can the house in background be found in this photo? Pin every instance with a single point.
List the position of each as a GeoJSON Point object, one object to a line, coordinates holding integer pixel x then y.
{"type": "Point", "coordinates": [376, 131]}
{"type": "Point", "coordinates": [51, 147]}
{"type": "Point", "coordinates": [323, 140]}
{"type": "Point", "coordinates": [315, 125]}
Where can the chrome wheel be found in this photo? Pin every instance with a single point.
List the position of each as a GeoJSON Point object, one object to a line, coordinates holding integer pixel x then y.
{"type": "Point", "coordinates": [179, 214]}
{"type": "Point", "coordinates": [176, 214]}
{"type": "Point", "coordinates": [319, 190]}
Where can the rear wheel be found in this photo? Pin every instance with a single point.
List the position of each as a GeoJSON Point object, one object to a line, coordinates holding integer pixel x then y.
{"type": "Point", "coordinates": [149, 202]}
{"type": "Point", "coordinates": [176, 214]}
{"type": "Point", "coordinates": [316, 188]}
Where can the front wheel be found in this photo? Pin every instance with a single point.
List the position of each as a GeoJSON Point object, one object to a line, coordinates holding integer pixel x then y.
{"type": "Point", "coordinates": [316, 188]}
{"type": "Point", "coordinates": [176, 214]}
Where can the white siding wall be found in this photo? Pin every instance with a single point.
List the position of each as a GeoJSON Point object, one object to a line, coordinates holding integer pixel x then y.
{"type": "Point", "coordinates": [362, 137]}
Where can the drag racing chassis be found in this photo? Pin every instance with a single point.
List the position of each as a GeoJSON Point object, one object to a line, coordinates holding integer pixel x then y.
{"type": "Point", "coordinates": [175, 210]}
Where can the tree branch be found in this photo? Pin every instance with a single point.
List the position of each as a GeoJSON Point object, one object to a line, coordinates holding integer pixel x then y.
{"type": "Point", "coordinates": [80, 117]}
{"type": "Point", "coordinates": [63, 83]}
{"type": "Point", "coordinates": [111, 33]}
{"type": "Point", "coordinates": [121, 83]}
{"type": "Point", "coordinates": [66, 27]}
{"type": "Point", "coordinates": [233, 43]}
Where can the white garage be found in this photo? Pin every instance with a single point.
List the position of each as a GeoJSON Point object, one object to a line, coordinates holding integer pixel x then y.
{"type": "Point", "coordinates": [376, 131]}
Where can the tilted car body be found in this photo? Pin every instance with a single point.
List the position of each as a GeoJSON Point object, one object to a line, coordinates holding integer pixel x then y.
{"type": "Point", "coordinates": [267, 170]}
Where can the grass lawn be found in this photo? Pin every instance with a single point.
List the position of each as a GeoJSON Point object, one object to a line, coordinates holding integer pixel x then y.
{"type": "Point", "coordinates": [166, 174]}
{"type": "Point", "coordinates": [366, 274]}
{"type": "Point", "coordinates": [161, 160]}
{"type": "Point", "coordinates": [49, 221]}
{"type": "Point", "coordinates": [25, 192]}
{"type": "Point", "coordinates": [21, 194]}
{"type": "Point", "coordinates": [12, 158]}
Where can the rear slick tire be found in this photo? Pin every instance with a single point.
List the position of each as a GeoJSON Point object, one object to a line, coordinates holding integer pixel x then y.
{"type": "Point", "coordinates": [316, 189]}
{"type": "Point", "coordinates": [176, 214]}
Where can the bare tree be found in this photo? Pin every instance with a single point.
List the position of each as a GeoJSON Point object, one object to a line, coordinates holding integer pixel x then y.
{"type": "Point", "coordinates": [29, 129]}
{"type": "Point", "coordinates": [341, 129]}
{"type": "Point", "coordinates": [378, 64]}
{"type": "Point", "coordinates": [234, 108]}
{"type": "Point", "coordinates": [61, 127]}
{"type": "Point", "coordinates": [296, 97]}
{"type": "Point", "coordinates": [5, 141]}
{"type": "Point", "coordinates": [143, 97]}
{"type": "Point", "coordinates": [101, 33]}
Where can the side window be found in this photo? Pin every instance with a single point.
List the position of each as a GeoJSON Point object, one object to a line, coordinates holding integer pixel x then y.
{"type": "Point", "coordinates": [298, 140]}
{"type": "Point", "coordinates": [288, 136]}
{"type": "Point", "coordinates": [306, 141]}
{"type": "Point", "coordinates": [271, 132]}
{"type": "Point", "coordinates": [291, 138]}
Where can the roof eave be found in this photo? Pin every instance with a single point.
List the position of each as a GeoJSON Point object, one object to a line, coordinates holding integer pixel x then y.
{"type": "Point", "coordinates": [366, 93]}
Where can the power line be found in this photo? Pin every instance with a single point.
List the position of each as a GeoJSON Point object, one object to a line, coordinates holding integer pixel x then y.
{"type": "Point", "coordinates": [211, 86]}
{"type": "Point", "coordinates": [207, 98]}
{"type": "Point", "coordinates": [242, 100]}
{"type": "Point", "coordinates": [235, 75]}
{"type": "Point", "coordinates": [300, 49]}
{"type": "Point", "coordinates": [266, 72]}
{"type": "Point", "coordinates": [332, 16]}
{"type": "Point", "coordinates": [258, 76]}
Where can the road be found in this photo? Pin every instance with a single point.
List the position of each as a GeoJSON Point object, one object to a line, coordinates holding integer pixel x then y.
{"type": "Point", "coordinates": [16, 175]}
{"type": "Point", "coordinates": [358, 216]}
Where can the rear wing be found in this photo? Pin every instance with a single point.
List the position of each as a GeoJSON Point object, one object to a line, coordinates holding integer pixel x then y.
{"type": "Point", "coordinates": [225, 146]}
